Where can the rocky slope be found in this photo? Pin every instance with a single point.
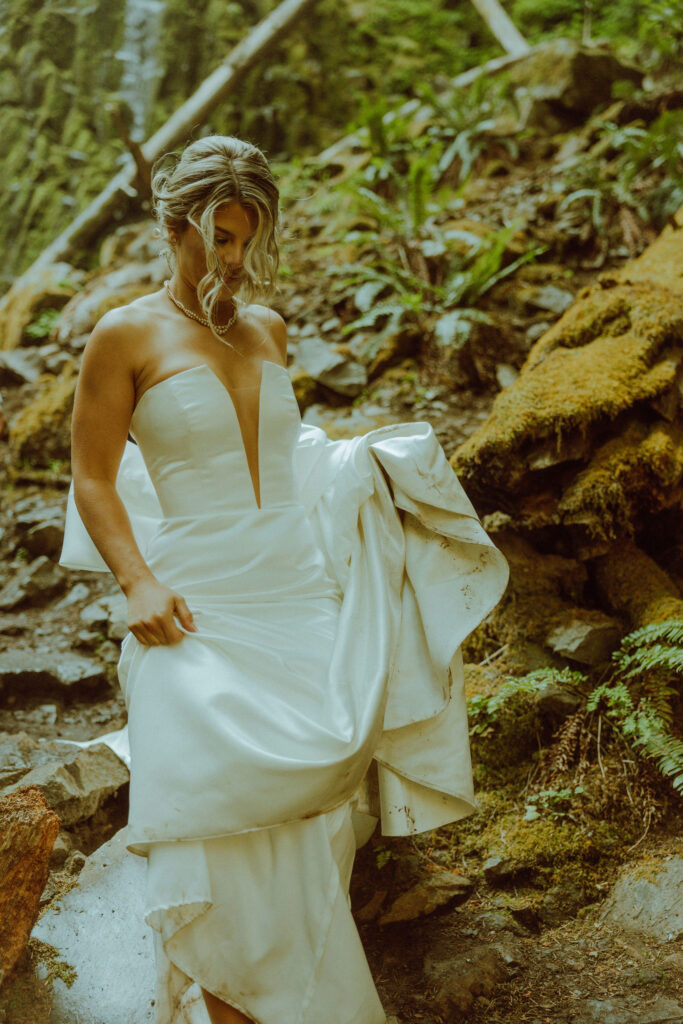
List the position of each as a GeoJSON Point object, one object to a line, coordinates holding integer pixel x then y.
{"type": "Point", "coordinates": [563, 418]}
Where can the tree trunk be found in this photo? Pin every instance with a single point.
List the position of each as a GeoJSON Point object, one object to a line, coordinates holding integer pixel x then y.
{"type": "Point", "coordinates": [118, 193]}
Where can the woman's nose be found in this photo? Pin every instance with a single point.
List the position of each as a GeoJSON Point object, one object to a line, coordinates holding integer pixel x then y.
{"type": "Point", "coordinates": [234, 255]}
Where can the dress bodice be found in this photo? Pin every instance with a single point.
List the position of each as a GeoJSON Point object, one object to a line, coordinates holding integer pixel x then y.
{"type": "Point", "coordinates": [193, 444]}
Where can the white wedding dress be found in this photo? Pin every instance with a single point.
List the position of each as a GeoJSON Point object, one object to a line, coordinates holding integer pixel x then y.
{"type": "Point", "coordinates": [329, 617]}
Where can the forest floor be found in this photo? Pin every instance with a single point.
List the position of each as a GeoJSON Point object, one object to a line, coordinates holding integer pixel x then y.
{"type": "Point", "coordinates": [579, 971]}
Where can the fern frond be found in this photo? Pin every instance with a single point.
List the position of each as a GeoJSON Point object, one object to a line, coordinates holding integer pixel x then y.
{"type": "Point", "coordinates": [668, 631]}
{"type": "Point", "coordinates": [483, 710]}
{"type": "Point", "coordinates": [651, 736]}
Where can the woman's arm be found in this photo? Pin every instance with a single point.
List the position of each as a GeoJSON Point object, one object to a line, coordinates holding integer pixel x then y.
{"type": "Point", "coordinates": [103, 406]}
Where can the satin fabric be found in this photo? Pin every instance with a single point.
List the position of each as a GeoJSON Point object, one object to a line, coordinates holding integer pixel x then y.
{"type": "Point", "coordinates": [378, 525]}
{"type": "Point", "coordinates": [322, 690]}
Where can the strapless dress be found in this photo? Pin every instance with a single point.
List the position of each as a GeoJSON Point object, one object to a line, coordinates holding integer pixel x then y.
{"type": "Point", "coordinates": [235, 728]}
{"type": "Point", "coordinates": [331, 584]}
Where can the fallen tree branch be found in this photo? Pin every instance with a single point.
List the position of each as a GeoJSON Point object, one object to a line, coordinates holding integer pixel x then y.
{"type": "Point", "coordinates": [117, 195]}
{"type": "Point", "coordinates": [502, 27]}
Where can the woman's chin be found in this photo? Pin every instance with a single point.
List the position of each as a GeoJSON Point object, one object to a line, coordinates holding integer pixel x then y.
{"type": "Point", "coordinates": [230, 287]}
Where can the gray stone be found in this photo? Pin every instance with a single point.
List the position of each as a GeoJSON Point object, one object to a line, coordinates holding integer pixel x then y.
{"type": "Point", "coordinates": [109, 652]}
{"type": "Point", "coordinates": [554, 703]}
{"type": "Point", "coordinates": [549, 296]}
{"type": "Point", "coordinates": [45, 538]}
{"type": "Point", "coordinates": [497, 921]}
{"type": "Point", "coordinates": [16, 367]}
{"type": "Point", "coordinates": [95, 614]}
{"type": "Point", "coordinates": [19, 753]}
{"type": "Point", "coordinates": [31, 672]}
{"type": "Point", "coordinates": [537, 331]}
{"type": "Point", "coordinates": [37, 582]}
{"type": "Point", "coordinates": [461, 979]}
{"type": "Point", "coordinates": [506, 374]}
{"type": "Point", "coordinates": [589, 641]}
{"type": "Point", "coordinates": [79, 592]}
{"type": "Point", "coordinates": [648, 902]}
{"type": "Point", "coordinates": [78, 783]}
{"type": "Point", "coordinates": [116, 607]}
{"type": "Point", "coordinates": [331, 368]}
{"type": "Point", "coordinates": [61, 849]}
{"type": "Point", "coordinates": [98, 928]}
{"type": "Point", "coordinates": [498, 869]}
{"type": "Point", "coordinates": [560, 902]}
{"type": "Point", "coordinates": [617, 1011]}
{"type": "Point", "coordinates": [437, 890]}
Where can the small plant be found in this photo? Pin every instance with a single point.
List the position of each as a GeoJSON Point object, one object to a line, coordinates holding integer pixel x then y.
{"type": "Point", "coordinates": [552, 803]}
{"type": "Point", "coordinates": [644, 173]}
{"type": "Point", "coordinates": [383, 855]}
{"type": "Point", "coordinates": [44, 323]}
{"type": "Point", "coordinates": [408, 297]}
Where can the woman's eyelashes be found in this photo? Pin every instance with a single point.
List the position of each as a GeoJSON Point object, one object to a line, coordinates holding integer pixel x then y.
{"type": "Point", "coordinates": [225, 241]}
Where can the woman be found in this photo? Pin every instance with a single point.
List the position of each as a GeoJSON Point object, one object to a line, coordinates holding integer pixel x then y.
{"type": "Point", "coordinates": [290, 629]}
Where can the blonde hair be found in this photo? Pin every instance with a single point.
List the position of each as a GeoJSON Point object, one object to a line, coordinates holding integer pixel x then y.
{"type": "Point", "coordinates": [209, 173]}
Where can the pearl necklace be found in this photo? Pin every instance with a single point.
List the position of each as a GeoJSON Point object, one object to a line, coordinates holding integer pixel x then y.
{"type": "Point", "coordinates": [202, 319]}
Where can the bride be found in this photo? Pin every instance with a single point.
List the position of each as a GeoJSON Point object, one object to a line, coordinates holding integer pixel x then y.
{"type": "Point", "coordinates": [296, 608]}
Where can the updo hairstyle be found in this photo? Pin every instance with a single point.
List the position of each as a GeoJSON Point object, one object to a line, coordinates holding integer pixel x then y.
{"type": "Point", "coordinates": [188, 189]}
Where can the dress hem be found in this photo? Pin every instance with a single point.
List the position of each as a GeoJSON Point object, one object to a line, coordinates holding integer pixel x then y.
{"type": "Point", "coordinates": [130, 846]}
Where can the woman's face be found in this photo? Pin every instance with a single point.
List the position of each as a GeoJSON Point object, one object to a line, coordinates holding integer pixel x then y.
{"type": "Point", "coordinates": [234, 228]}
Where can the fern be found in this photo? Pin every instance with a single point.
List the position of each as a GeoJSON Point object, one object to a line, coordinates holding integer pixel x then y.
{"type": "Point", "coordinates": [483, 711]}
{"type": "Point", "coordinates": [638, 699]}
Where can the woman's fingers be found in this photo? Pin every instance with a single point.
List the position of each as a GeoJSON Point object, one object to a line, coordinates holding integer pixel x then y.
{"type": "Point", "coordinates": [153, 609]}
{"type": "Point", "coordinates": [184, 613]}
{"type": "Point", "coordinates": [144, 635]}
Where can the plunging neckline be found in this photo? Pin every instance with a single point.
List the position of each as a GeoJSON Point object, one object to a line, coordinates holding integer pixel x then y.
{"type": "Point", "coordinates": [228, 392]}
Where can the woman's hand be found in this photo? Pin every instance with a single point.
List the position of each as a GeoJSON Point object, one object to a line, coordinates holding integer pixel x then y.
{"type": "Point", "coordinates": [151, 610]}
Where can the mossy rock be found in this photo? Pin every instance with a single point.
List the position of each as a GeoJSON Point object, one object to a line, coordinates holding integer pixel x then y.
{"type": "Point", "coordinates": [578, 439]}
{"type": "Point", "coordinates": [41, 432]}
{"type": "Point", "coordinates": [306, 389]}
{"type": "Point", "coordinates": [632, 584]}
{"type": "Point", "coordinates": [629, 477]}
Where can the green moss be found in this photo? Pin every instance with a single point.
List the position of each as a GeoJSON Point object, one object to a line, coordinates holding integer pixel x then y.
{"type": "Point", "coordinates": [634, 585]}
{"type": "Point", "coordinates": [43, 953]}
{"type": "Point", "coordinates": [628, 477]}
{"type": "Point", "coordinates": [40, 432]}
{"type": "Point", "coordinates": [605, 355]}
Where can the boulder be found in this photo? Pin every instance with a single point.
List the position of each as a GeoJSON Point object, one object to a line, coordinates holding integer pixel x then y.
{"type": "Point", "coordinates": [78, 784]}
{"type": "Point", "coordinates": [41, 431]}
{"type": "Point", "coordinates": [330, 368]}
{"type": "Point", "coordinates": [560, 82]}
{"type": "Point", "coordinates": [575, 409]}
{"type": "Point", "coordinates": [618, 1011]}
{"type": "Point", "coordinates": [588, 638]}
{"type": "Point", "coordinates": [97, 929]}
{"type": "Point", "coordinates": [35, 583]}
{"type": "Point", "coordinates": [648, 900]}
{"type": "Point", "coordinates": [47, 287]}
{"type": "Point", "coordinates": [461, 979]}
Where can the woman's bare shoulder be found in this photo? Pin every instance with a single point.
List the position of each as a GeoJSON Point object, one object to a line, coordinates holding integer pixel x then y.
{"type": "Point", "coordinates": [124, 328]}
{"type": "Point", "coordinates": [272, 322]}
